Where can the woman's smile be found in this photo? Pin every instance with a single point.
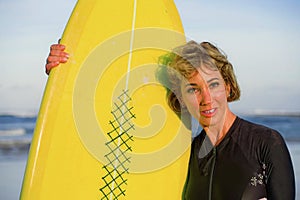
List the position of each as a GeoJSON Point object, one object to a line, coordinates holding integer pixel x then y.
{"type": "Point", "coordinates": [208, 113]}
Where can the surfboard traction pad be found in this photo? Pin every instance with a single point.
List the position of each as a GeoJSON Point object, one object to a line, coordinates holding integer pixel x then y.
{"type": "Point", "coordinates": [117, 161]}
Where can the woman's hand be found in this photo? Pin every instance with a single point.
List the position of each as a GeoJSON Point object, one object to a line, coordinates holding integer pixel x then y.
{"type": "Point", "coordinates": [56, 56]}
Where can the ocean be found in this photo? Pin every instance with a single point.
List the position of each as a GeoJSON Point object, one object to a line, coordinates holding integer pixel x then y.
{"type": "Point", "coordinates": [16, 133]}
{"type": "Point", "coordinates": [15, 136]}
{"type": "Point", "coordinates": [288, 126]}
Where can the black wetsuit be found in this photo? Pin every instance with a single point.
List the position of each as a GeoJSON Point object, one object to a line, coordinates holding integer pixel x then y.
{"type": "Point", "coordinates": [251, 162]}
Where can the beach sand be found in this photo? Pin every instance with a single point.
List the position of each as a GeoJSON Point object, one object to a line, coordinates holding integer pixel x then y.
{"type": "Point", "coordinates": [12, 172]}
{"type": "Point", "coordinates": [294, 148]}
{"type": "Point", "coordinates": [11, 177]}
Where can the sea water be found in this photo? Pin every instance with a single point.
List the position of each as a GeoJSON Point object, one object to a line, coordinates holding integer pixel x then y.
{"type": "Point", "coordinates": [15, 135]}
{"type": "Point", "coordinates": [16, 131]}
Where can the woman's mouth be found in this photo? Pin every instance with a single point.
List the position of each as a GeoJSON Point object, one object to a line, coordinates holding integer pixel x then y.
{"type": "Point", "coordinates": [208, 113]}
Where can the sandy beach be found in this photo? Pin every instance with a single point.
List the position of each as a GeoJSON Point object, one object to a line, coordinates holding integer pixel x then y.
{"type": "Point", "coordinates": [294, 148]}
{"type": "Point", "coordinates": [12, 172]}
{"type": "Point", "coordinates": [11, 177]}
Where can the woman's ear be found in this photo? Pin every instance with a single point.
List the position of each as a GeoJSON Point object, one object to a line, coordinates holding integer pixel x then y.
{"type": "Point", "coordinates": [228, 90]}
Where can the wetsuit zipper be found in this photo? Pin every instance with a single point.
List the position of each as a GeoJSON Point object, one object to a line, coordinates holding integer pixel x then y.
{"type": "Point", "coordinates": [212, 173]}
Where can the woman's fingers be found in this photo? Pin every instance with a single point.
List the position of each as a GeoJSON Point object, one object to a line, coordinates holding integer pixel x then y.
{"type": "Point", "coordinates": [56, 56]}
{"type": "Point", "coordinates": [60, 47]}
{"type": "Point", "coordinates": [51, 65]}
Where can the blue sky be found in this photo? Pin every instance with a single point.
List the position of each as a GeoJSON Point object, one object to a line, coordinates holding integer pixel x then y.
{"type": "Point", "coordinates": [261, 39]}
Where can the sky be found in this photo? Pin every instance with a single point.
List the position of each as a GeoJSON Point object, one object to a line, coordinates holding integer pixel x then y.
{"type": "Point", "coordinates": [260, 38]}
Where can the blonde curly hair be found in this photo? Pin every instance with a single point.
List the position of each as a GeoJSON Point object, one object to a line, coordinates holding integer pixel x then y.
{"type": "Point", "coordinates": [183, 62]}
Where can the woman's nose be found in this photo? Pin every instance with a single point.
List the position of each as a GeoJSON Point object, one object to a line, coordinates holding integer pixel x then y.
{"type": "Point", "coordinates": [205, 97]}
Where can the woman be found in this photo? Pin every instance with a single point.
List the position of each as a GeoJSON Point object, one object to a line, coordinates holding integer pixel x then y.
{"type": "Point", "coordinates": [231, 158]}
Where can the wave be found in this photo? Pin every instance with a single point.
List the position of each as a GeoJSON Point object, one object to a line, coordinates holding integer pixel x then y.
{"type": "Point", "coordinates": [283, 113]}
{"type": "Point", "coordinates": [18, 114]}
{"type": "Point", "coordinates": [13, 132]}
{"type": "Point", "coordinates": [23, 143]}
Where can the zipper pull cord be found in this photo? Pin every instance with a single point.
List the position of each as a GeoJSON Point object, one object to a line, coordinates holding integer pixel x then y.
{"type": "Point", "coordinates": [212, 173]}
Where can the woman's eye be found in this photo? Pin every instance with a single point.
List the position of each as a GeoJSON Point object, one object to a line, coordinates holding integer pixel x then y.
{"type": "Point", "coordinates": [214, 85]}
{"type": "Point", "coordinates": [192, 90]}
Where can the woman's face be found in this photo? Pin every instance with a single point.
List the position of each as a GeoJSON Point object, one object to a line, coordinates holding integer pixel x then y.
{"type": "Point", "coordinates": [205, 96]}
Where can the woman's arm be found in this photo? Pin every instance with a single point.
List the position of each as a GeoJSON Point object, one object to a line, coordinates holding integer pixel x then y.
{"type": "Point", "coordinates": [281, 181]}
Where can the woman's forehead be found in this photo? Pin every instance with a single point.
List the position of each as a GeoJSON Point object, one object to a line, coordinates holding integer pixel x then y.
{"type": "Point", "coordinates": [205, 73]}
{"type": "Point", "coordinates": [202, 78]}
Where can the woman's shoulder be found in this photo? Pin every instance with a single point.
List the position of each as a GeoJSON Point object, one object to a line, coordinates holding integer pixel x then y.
{"type": "Point", "coordinates": [259, 131]}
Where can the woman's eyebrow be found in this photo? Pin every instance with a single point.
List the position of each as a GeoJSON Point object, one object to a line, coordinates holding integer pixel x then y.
{"type": "Point", "coordinates": [194, 84]}
{"type": "Point", "coordinates": [213, 79]}
{"type": "Point", "coordinates": [190, 84]}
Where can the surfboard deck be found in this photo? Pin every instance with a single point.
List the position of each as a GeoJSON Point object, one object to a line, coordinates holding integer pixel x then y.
{"type": "Point", "coordinates": [104, 130]}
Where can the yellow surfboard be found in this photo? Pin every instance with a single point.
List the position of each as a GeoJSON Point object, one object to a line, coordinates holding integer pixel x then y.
{"type": "Point", "coordinates": [104, 130]}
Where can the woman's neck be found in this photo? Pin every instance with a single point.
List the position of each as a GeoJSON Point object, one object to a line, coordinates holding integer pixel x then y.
{"type": "Point", "coordinates": [218, 132]}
